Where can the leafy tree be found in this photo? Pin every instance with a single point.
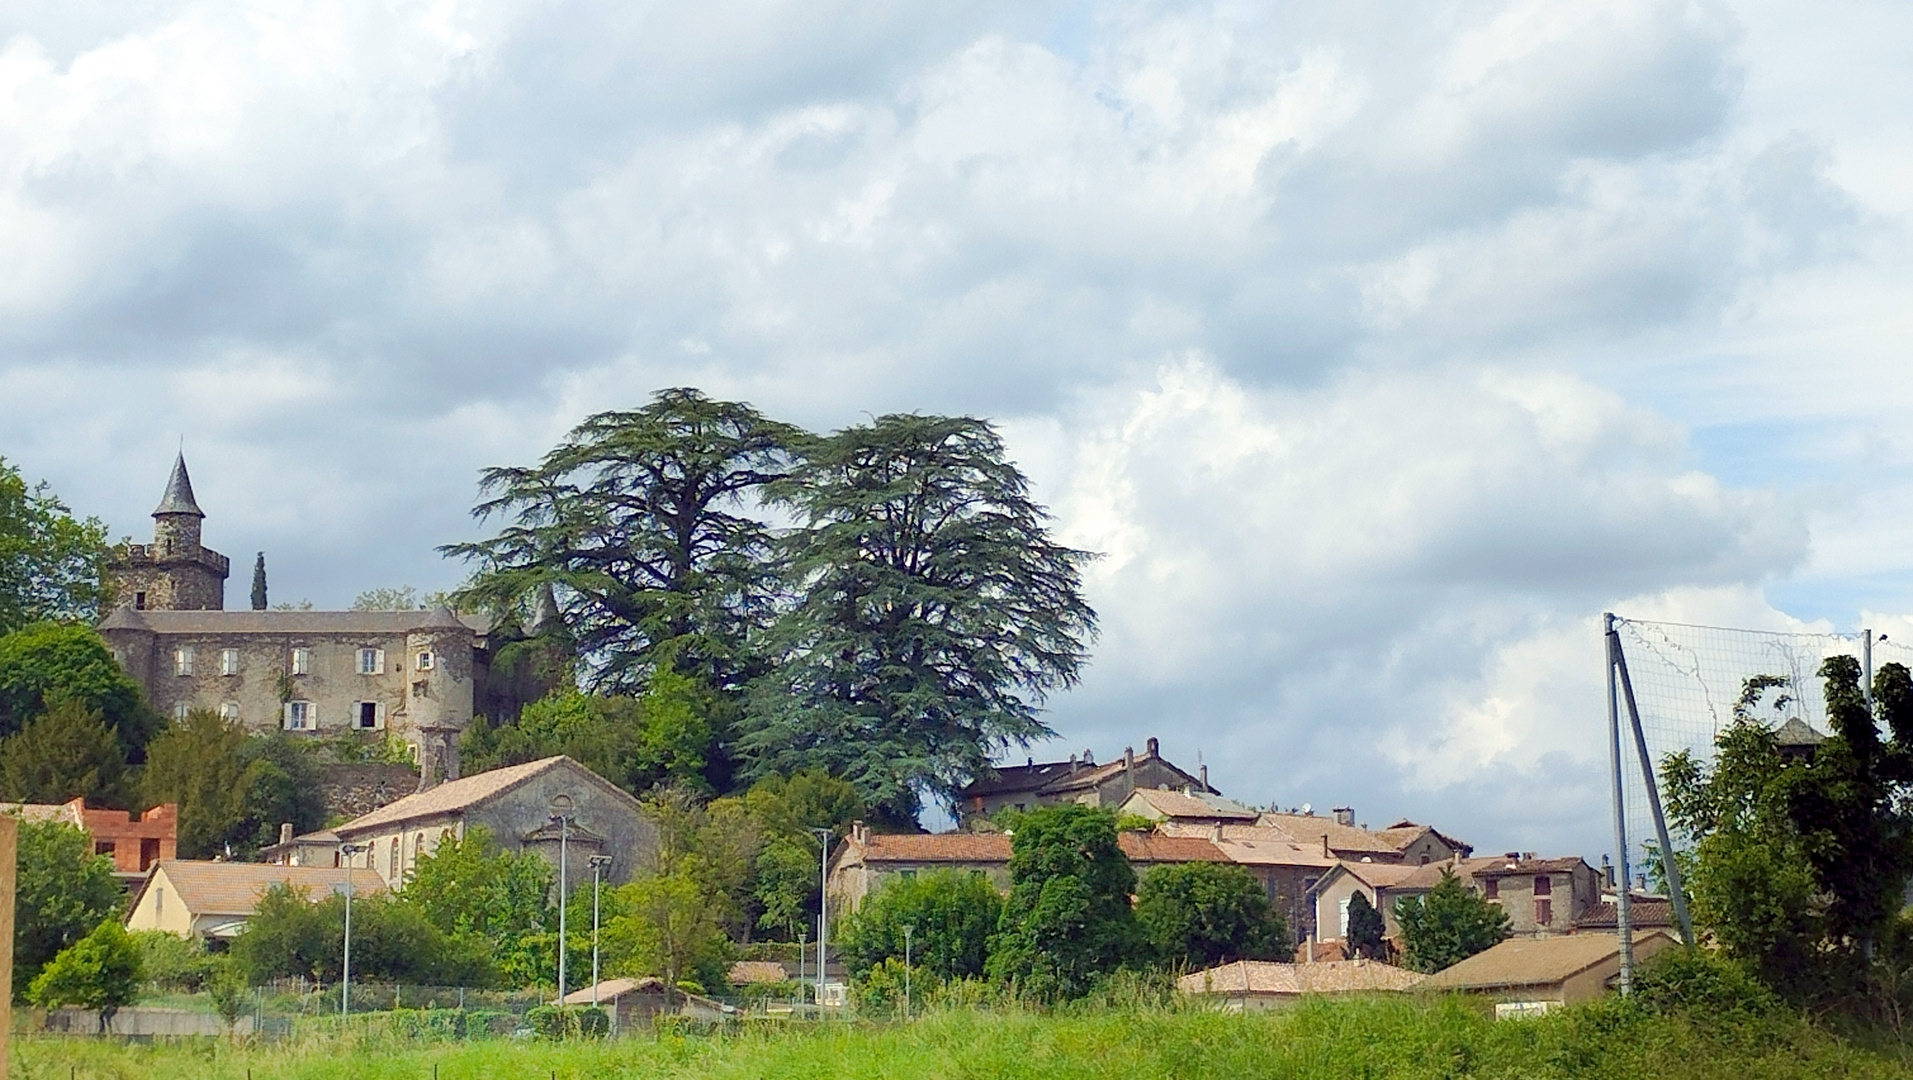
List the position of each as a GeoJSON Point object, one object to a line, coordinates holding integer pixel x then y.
{"type": "Point", "coordinates": [665, 737]}
{"type": "Point", "coordinates": [403, 598]}
{"type": "Point", "coordinates": [1067, 920]}
{"type": "Point", "coordinates": [64, 754]}
{"type": "Point", "coordinates": [100, 971]}
{"type": "Point", "coordinates": [1446, 925]}
{"type": "Point", "coordinates": [226, 986]}
{"type": "Point", "coordinates": [665, 925]}
{"type": "Point", "coordinates": [482, 896]}
{"type": "Point", "coordinates": [45, 663]}
{"type": "Point", "coordinates": [786, 810]}
{"type": "Point", "coordinates": [638, 526]}
{"type": "Point", "coordinates": [1198, 915]}
{"type": "Point", "coordinates": [953, 915]}
{"type": "Point", "coordinates": [1366, 929]}
{"type": "Point", "coordinates": [63, 891]}
{"type": "Point", "coordinates": [51, 563]}
{"type": "Point", "coordinates": [714, 844]}
{"type": "Point", "coordinates": [291, 936]}
{"type": "Point", "coordinates": [233, 789]}
{"type": "Point", "coordinates": [172, 962]}
{"type": "Point", "coordinates": [932, 615]}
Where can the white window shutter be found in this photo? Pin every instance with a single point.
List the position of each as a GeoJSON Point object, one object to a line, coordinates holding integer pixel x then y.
{"type": "Point", "coordinates": [285, 719]}
{"type": "Point", "coordinates": [379, 717]}
{"type": "Point", "coordinates": [378, 663]}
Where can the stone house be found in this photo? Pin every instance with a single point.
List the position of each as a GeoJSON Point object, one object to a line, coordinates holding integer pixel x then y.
{"type": "Point", "coordinates": [1541, 896]}
{"type": "Point", "coordinates": [520, 805]}
{"type": "Point", "coordinates": [135, 842]}
{"type": "Point", "coordinates": [1527, 976]}
{"type": "Point", "coordinates": [1339, 836]}
{"type": "Point", "coordinates": [1077, 780]}
{"type": "Point", "coordinates": [1185, 807]}
{"type": "Point", "coordinates": [214, 899]}
{"type": "Point", "coordinates": [1383, 884]}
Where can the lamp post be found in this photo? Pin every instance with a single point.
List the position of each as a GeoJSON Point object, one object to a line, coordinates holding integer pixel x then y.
{"type": "Point", "coordinates": [824, 837]}
{"type": "Point", "coordinates": [599, 863]}
{"type": "Point", "coordinates": [561, 816]}
{"type": "Point", "coordinates": [908, 929]}
{"type": "Point", "coordinates": [346, 851]}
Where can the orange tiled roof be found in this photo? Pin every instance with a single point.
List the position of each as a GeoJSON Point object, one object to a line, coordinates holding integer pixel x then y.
{"type": "Point", "coordinates": [1269, 977]}
{"type": "Point", "coordinates": [225, 888]}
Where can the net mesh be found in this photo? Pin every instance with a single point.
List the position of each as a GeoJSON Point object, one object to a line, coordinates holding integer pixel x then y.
{"type": "Point", "coordinates": [1688, 680]}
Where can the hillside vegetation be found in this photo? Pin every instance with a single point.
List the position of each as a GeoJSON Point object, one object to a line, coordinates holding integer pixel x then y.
{"type": "Point", "coordinates": [1379, 1038]}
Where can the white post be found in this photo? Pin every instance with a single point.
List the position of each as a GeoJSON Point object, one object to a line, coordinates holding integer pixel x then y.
{"type": "Point", "coordinates": [347, 851]}
{"type": "Point", "coordinates": [907, 929]}
{"type": "Point", "coordinates": [598, 863]}
{"type": "Point", "coordinates": [823, 908]}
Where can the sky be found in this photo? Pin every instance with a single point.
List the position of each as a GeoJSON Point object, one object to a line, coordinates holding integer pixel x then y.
{"type": "Point", "coordinates": [1377, 348]}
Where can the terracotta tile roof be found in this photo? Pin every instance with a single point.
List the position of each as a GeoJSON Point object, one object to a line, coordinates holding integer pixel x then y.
{"type": "Point", "coordinates": [1273, 853]}
{"type": "Point", "coordinates": [1502, 867]}
{"type": "Point", "coordinates": [937, 847]}
{"type": "Point", "coordinates": [746, 972]}
{"type": "Point", "coordinates": [611, 989]}
{"type": "Point", "coordinates": [1310, 829]}
{"type": "Point", "coordinates": [1176, 804]}
{"type": "Point", "coordinates": [1644, 913]}
{"type": "Point", "coordinates": [292, 622]}
{"type": "Point", "coordinates": [225, 888]}
{"type": "Point", "coordinates": [1327, 977]}
{"type": "Point", "coordinates": [1157, 848]}
{"type": "Point", "coordinates": [456, 796]}
{"type": "Point", "coordinates": [1544, 961]}
{"type": "Point", "coordinates": [1379, 875]}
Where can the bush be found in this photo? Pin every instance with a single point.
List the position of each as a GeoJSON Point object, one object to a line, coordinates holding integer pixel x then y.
{"type": "Point", "coordinates": [952, 915]}
{"type": "Point", "coordinates": [99, 971]}
{"type": "Point", "coordinates": [172, 962]}
{"type": "Point", "coordinates": [569, 1021]}
{"type": "Point", "coordinates": [1197, 915]}
{"type": "Point", "coordinates": [1702, 984]}
{"type": "Point", "coordinates": [879, 991]}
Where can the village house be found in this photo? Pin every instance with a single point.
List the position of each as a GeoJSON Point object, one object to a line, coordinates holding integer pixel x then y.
{"type": "Point", "coordinates": [135, 842]}
{"type": "Point", "coordinates": [1260, 985]}
{"type": "Point", "coordinates": [545, 806]}
{"type": "Point", "coordinates": [633, 1003]}
{"type": "Point", "coordinates": [1527, 976]}
{"type": "Point", "coordinates": [1339, 836]}
{"type": "Point", "coordinates": [1077, 780]}
{"type": "Point", "coordinates": [417, 676]}
{"type": "Point", "coordinates": [1541, 896]}
{"type": "Point", "coordinates": [1185, 807]}
{"type": "Point", "coordinates": [214, 899]}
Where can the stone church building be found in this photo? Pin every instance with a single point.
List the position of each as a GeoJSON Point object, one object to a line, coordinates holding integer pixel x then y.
{"type": "Point", "coordinates": [416, 675]}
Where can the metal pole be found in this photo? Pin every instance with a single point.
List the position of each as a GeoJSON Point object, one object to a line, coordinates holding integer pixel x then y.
{"type": "Point", "coordinates": [345, 967]}
{"type": "Point", "coordinates": [1866, 654]}
{"type": "Point", "coordinates": [564, 895]}
{"type": "Point", "coordinates": [598, 863]}
{"type": "Point", "coordinates": [823, 907]}
{"type": "Point", "coordinates": [1676, 894]}
{"type": "Point", "coordinates": [907, 928]}
{"type": "Point", "coordinates": [1624, 923]}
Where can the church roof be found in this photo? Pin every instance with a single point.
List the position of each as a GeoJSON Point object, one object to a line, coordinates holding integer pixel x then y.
{"type": "Point", "coordinates": [179, 493]}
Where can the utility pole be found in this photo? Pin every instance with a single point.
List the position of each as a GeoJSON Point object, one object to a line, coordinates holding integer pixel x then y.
{"type": "Point", "coordinates": [1624, 923]}
{"type": "Point", "coordinates": [561, 816]}
{"type": "Point", "coordinates": [599, 863]}
{"type": "Point", "coordinates": [908, 928]}
{"type": "Point", "coordinates": [824, 837]}
{"type": "Point", "coordinates": [346, 851]}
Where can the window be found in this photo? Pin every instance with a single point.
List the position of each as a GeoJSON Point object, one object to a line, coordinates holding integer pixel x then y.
{"type": "Point", "coordinates": [300, 716]}
{"type": "Point", "coordinates": [229, 711]}
{"type": "Point", "coordinates": [1543, 885]}
{"type": "Point", "coordinates": [368, 716]}
{"type": "Point", "coordinates": [183, 660]}
{"type": "Point", "coordinates": [139, 601]}
{"type": "Point", "coordinates": [371, 661]}
{"type": "Point", "coordinates": [229, 661]}
{"type": "Point", "coordinates": [302, 661]}
{"type": "Point", "coordinates": [1345, 900]}
{"type": "Point", "coordinates": [1491, 889]}
{"type": "Point", "coordinates": [425, 661]}
{"type": "Point", "coordinates": [180, 710]}
{"type": "Point", "coordinates": [418, 848]}
{"type": "Point", "coordinates": [1424, 860]}
{"type": "Point", "coordinates": [907, 875]}
{"type": "Point", "coordinates": [102, 847]}
{"type": "Point", "coordinates": [1543, 911]}
{"type": "Point", "coordinates": [392, 861]}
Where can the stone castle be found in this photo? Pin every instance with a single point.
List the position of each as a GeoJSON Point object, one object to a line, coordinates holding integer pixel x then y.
{"type": "Point", "coordinates": [416, 675]}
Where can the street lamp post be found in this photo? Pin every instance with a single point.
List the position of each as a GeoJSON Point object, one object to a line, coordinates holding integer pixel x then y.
{"type": "Point", "coordinates": [908, 929]}
{"type": "Point", "coordinates": [599, 863]}
{"type": "Point", "coordinates": [824, 836]}
{"type": "Point", "coordinates": [561, 816]}
{"type": "Point", "coordinates": [346, 851]}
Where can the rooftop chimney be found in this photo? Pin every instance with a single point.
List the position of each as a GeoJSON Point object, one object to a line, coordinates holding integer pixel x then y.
{"type": "Point", "coordinates": [1215, 833]}
{"type": "Point", "coordinates": [1344, 815]}
{"type": "Point", "coordinates": [1326, 853]}
{"type": "Point", "coordinates": [285, 832]}
{"type": "Point", "coordinates": [1089, 758]}
{"type": "Point", "coordinates": [1129, 757]}
{"type": "Point", "coordinates": [859, 832]}
{"type": "Point", "coordinates": [1150, 746]}
{"type": "Point", "coordinates": [1202, 776]}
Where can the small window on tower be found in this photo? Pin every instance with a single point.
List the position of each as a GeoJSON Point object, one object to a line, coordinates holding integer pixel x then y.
{"type": "Point", "coordinates": [229, 661]}
{"type": "Point", "coordinates": [183, 660]}
{"type": "Point", "coordinates": [139, 601]}
{"type": "Point", "coordinates": [302, 661]}
{"type": "Point", "coordinates": [425, 661]}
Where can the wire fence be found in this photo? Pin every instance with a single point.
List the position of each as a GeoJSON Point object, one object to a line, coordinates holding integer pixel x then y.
{"type": "Point", "coordinates": [1690, 681]}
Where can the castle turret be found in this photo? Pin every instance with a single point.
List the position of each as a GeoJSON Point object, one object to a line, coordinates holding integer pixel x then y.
{"type": "Point", "coordinates": [175, 572]}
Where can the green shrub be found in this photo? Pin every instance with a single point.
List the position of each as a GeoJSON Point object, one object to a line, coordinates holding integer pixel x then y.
{"type": "Point", "coordinates": [1702, 984]}
{"type": "Point", "coordinates": [569, 1021]}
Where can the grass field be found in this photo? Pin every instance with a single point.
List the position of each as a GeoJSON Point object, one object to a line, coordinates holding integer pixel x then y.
{"type": "Point", "coordinates": [1380, 1038]}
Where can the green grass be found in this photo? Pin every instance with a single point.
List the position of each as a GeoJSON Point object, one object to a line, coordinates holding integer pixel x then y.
{"type": "Point", "coordinates": [1379, 1038]}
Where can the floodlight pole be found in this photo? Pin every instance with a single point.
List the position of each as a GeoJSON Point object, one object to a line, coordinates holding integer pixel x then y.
{"type": "Point", "coordinates": [908, 928]}
{"type": "Point", "coordinates": [345, 966]}
{"type": "Point", "coordinates": [561, 816]}
{"type": "Point", "coordinates": [1623, 923]}
{"type": "Point", "coordinates": [824, 836]}
{"type": "Point", "coordinates": [598, 865]}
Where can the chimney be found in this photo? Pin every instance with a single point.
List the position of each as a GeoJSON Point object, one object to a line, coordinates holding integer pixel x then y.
{"type": "Point", "coordinates": [285, 832]}
{"type": "Point", "coordinates": [1202, 777]}
{"type": "Point", "coordinates": [1151, 747]}
{"type": "Point", "coordinates": [1088, 758]}
{"type": "Point", "coordinates": [1326, 853]}
{"type": "Point", "coordinates": [1344, 815]}
{"type": "Point", "coordinates": [859, 832]}
{"type": "Point", "coordinates": [1607, 872]}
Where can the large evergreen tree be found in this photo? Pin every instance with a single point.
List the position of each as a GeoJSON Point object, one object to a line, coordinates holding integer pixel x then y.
{"type": "Point", "coordinates": [638, 526]}
{"type": "Point", "coordinates": [932, 613]}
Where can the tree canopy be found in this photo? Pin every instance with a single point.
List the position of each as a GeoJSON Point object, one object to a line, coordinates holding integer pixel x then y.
{"type": "Point", "coordinates": [45, 663]}
{"type": "Point", "coordinates": [63, 891]}
{"type": "Point", "coordinates": [639, 527]}
{"type": "Point", "coordinates": [1367, 930]}
{"type": "Point", "coordinates": [951, 914]}
{"type": "Point", "coordinates": [1067, 920]}
{"type": "Point", "coordinates": [932, 613]}
{"type": "Point", "coordinates": [233, 789]}
{"type": "Point", "coordinates": [65, 754]}
{"type": "Point", "coordinates": [1198, 915]}
{"type": "Point", "coordinates": [102, 971]}
{"type": "Point", "coordinates": [1447, 924]}
{"type": "Point", "coordinates": [51, 562]}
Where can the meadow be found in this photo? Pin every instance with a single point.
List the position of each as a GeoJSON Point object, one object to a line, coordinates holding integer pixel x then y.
{"type": "Point", "coordinates": [1373, 1039]}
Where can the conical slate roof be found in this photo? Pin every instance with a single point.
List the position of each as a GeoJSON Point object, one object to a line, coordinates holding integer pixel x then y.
{"type": "Point", "coordinates": [179, 493]}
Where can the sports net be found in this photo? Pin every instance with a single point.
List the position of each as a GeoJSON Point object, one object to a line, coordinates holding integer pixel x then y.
{"type": "Point", "coordinates": [1688, 681]}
